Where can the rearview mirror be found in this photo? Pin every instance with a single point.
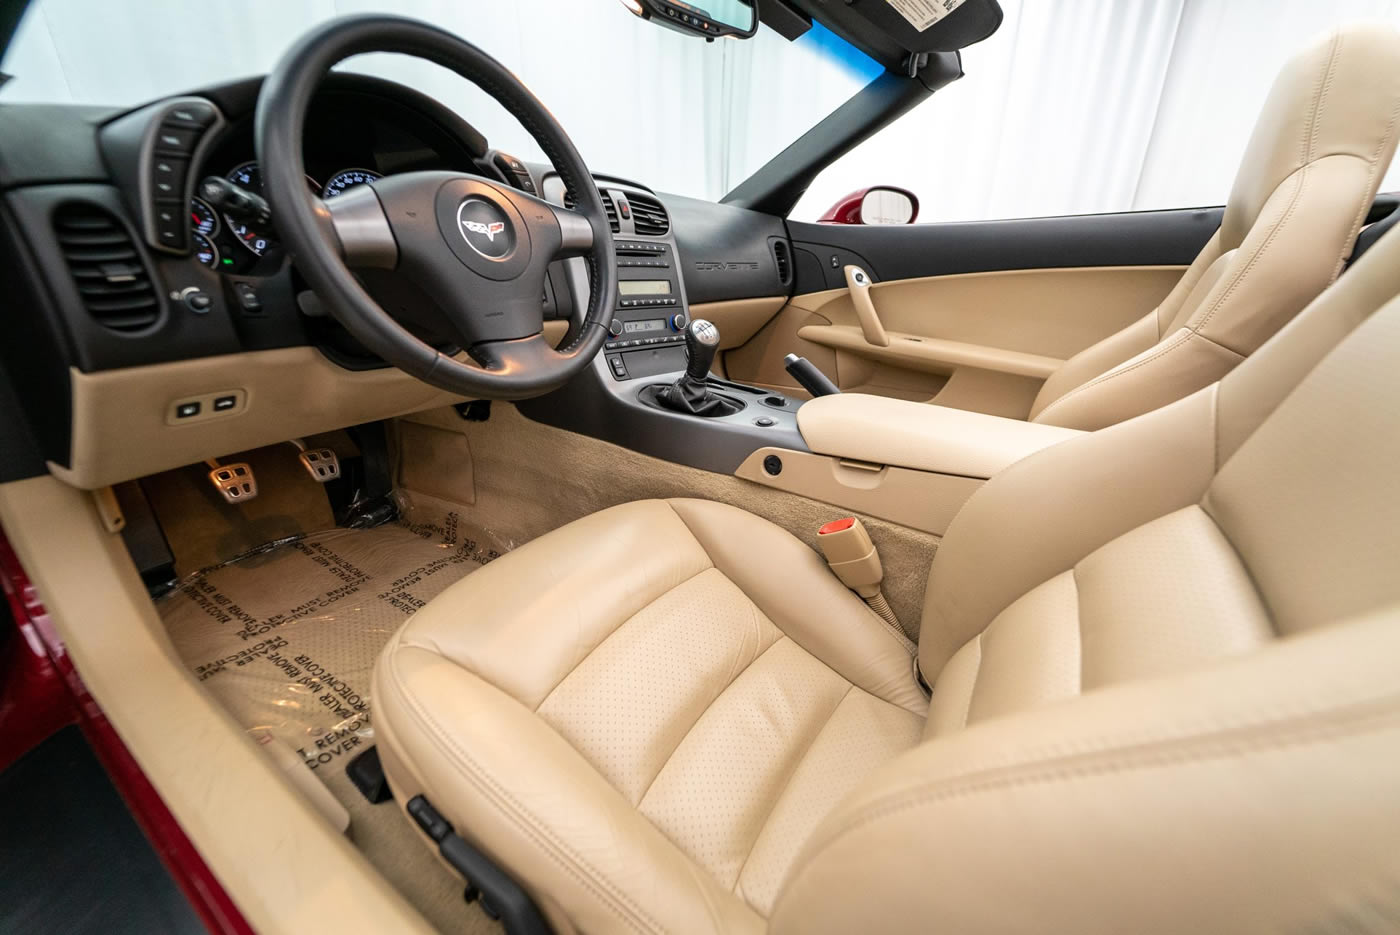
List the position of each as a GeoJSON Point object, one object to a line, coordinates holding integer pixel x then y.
{"type": "Point", "coordinates": [737, 19]}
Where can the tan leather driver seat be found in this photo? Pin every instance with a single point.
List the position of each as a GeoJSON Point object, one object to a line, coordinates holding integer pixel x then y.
{"type": "Point", "coordinates": [1309, 175]}
{"type": "Point", "coordinates": [1163, 663]}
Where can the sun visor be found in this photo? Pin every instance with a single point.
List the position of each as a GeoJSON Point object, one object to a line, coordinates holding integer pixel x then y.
{"type": "Point", "coordinates": [915, 25]}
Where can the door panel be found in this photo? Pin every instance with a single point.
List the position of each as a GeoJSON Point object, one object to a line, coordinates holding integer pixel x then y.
{"type": "Point", "coordinates": [983, 341]}
{"type": "Point", "coordinates": [979, 313]}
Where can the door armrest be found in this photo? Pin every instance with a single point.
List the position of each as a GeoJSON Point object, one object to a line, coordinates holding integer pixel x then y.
{"type": "Point", "coordinates": [919, 436]}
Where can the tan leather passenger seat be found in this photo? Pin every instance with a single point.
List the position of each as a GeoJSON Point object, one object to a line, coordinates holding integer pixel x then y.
{"type": "Point", "coordinates": [1163, 668]}
{"type": "Point", "coordinates": [1309, 175]}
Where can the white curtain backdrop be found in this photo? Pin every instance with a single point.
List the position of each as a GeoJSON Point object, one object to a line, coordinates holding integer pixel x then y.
{"type": "Point", "coordinates": [1082, 106]}
{"type": "Point", "coordinates": [1074, 106]}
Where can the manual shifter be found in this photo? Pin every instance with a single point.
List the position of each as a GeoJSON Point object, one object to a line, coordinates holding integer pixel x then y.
{"type": "Point", "coordinates": [691, 393]}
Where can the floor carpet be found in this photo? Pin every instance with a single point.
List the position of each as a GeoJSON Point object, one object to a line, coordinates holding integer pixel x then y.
{"type": "Point", "coordinates": [286, 638]}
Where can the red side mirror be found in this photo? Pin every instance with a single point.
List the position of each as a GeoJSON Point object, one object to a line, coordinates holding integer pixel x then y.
{"type": "Point", "coordinates": [879, 204]}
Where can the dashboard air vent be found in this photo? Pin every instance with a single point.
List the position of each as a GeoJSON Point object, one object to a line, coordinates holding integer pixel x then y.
{"type": "Point", "coordinates": [112, 281]}
{"type": "Point", "coordinates": [783, 261]}
{"type": "Point", "coordinates": [649, 216]}
{"type": "Point", "coordinates": [608, 206]}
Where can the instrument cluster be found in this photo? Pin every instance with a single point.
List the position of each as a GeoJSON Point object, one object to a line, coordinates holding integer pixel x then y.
{"type": "Point", "coordinates": [225, 243]}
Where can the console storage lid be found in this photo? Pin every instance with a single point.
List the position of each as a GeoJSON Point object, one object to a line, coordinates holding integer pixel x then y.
{"type": "Point", "coordinates": [920, 436]}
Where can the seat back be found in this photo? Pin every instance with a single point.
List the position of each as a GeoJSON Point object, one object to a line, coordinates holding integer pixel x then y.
{"type": "Point", "coordinates": [1309, 174]}
{"type": "Point", "coordinates": [1163, 668]}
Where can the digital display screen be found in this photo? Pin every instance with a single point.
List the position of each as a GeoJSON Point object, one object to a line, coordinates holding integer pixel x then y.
{"type": "Point", "coordinates": [650, 324]}
{"type": "Point", "coordinates": [644, 287]}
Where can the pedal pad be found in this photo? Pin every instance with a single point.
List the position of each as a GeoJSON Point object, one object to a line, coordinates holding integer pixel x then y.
{"type": "Point", "coordinates": [321, 463]}
{"type": "Point", "coordinates": [235, 482]}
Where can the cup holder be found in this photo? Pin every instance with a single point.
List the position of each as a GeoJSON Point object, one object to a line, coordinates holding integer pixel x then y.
{"type": "Point", "coordinates": [777, 402]}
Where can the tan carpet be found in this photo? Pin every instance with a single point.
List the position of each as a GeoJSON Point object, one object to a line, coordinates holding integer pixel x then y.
{"type": "Point", "coordinates": [286, 639]}
{"type": "Point", "coordinates": [522, 479]}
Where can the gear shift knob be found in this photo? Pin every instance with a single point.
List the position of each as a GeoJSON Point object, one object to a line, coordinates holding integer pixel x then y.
{"type": "Point", "coordinates": [701, 343]}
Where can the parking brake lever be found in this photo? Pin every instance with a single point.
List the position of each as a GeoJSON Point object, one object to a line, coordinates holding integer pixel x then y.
{"type": "Point", "coordinates": [806, 373]}
{"type": "Point", "coordinates": [858, 281]}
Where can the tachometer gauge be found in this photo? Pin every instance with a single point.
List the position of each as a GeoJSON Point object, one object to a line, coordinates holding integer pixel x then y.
{"type": "Point", "coordinates": [348, 178]}
{"type": "Point", "coordinates": [249, 176]}
{"type": "Point", "coordinates": [205, 251]}
{"type": "Point", "coordinates": [203, 219]}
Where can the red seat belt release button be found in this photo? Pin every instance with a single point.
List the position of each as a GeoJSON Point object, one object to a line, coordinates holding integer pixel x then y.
{"type": "Point", "coordinates": [851, 555]}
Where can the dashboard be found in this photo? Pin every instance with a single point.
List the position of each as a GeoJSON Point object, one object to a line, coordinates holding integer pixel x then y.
{"type": "Point", "coordinates": [135, 297]}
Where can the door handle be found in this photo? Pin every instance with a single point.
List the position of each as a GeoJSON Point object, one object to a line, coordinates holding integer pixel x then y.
{"type": "Point", "coordinates": [858, 282]}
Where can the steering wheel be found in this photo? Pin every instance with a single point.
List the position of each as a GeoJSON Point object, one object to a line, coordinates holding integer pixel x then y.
{"type": "Point", "coordinates": [479, 248]}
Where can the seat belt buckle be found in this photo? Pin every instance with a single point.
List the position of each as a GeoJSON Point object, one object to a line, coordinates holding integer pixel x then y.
{"type": "Point", "coordinates": [852, 556]}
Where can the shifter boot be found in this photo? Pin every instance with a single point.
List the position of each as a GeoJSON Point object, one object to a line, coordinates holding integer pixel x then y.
{"type": "Point", "coordinates": [691, 393]}
{"type": "Point", "coordinates": [695, 397]}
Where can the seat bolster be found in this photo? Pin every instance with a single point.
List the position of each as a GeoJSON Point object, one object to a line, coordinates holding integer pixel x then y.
{"type": "Point", "coordinates": [1096, 359]}
{"type": "Point", "coordinates": [1258, 790]}
{"type": "Point", "coordinates": [515, 788]}
{"type": "Point", "coordinates": [793, 587]}
{"type": "Point", "coordinates": [1180, 365]}
{"type": "Point", "coordinates": [1041, 516]}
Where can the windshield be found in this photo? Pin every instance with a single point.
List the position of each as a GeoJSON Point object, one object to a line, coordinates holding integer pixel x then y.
{"type": "Point", "coordinates": [671, 111]}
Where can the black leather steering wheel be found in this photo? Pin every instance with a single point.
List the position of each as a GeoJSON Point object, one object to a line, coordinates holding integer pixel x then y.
{"type": "Point", "coordinates": [479, 248]}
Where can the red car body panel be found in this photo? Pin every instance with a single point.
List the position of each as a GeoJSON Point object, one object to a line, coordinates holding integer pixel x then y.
{"type": "Point", "coordinates": [42, 693]}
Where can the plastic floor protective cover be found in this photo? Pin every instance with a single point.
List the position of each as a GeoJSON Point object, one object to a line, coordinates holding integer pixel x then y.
{"type": "Point", "coordinates": [286, 639]}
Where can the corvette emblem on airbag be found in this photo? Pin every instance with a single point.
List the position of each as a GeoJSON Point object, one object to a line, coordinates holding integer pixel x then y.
{"type": "Point", "coordinates": [484, 227]}
{"type": "Point", "coordinates": [490, 230]}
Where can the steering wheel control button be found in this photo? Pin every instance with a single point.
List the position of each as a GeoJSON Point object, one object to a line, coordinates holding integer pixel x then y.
{"type": "Point", "coordinates": [485, 228]}
{"type": "Point", "coordinates": [188, 410]}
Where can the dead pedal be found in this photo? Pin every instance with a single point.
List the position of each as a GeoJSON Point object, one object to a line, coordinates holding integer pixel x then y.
{"type": "Point", "coordinates": [321, 463]}
{"type": "Point", "coordinates": [235, 481]}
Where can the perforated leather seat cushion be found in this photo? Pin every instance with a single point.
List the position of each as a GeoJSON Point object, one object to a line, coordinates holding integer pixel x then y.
{"type": "Point", "coordinates": [704, 701]}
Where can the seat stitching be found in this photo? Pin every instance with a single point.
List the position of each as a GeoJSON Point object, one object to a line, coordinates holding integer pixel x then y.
{"type": "Point", "coordinates": [976, 676]}
{"type": "Point", "coordinates": [1239, 278]}
{"type": "Point", "coordinates": [1371, 185]}
{"type": "Point", "coordinates": [1078, 623]}
{"type": "Point", "coordinates": [787, 782]}
{"type": "Point", "coordinates": [1220, 743]}
{"type": "Point", "coordinates": [661, 769]}
{"type": "Point", "coordinates": [615, 631]}
{"type": "Point", "coordinates": [1182, 336]}
{"type": "Point", "coordinates": [552, 846]}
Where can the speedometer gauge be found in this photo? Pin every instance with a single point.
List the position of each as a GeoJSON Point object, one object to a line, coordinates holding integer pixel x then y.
{"type": "Point", "coordinates": [203, 218]}
{"type": "Point", "coordinates": [205, 251]}
{"type": "Point", "coordinates": [249, 176]}
{"type": "Point", "coordinates": [348, 178]}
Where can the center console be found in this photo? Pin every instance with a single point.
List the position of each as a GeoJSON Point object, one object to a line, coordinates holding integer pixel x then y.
{"type": "Point", "coordinates": [617, 400]}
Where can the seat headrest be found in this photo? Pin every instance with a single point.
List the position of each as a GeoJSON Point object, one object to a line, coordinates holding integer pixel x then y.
{"type": "Point", "coordinates": [1338, 97]}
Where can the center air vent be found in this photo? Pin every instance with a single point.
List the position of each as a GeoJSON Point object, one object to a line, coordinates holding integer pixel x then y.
{"type": "Point", "coordinates": [608, 206]}
{"type": "Point", "coordinates": [782, 261]}
{"type": "Point", "coordinates": [112, 280]}
{"type": "Point", "coordinates": [649, 216]}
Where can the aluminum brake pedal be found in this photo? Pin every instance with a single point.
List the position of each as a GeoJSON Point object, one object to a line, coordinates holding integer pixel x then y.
{"type": "Point", "coordinates": [321, 463]}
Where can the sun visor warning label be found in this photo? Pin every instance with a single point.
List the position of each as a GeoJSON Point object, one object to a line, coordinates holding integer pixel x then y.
{"type": "Point", "coordinates": [921, 14]}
